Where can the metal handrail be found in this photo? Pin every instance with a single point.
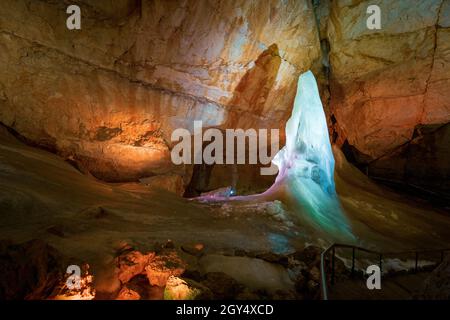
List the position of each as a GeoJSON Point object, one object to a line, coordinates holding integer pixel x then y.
{"type": "Point", "coordinates": [324, 287]}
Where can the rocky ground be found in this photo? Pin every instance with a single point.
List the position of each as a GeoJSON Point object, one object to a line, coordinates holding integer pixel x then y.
{"type": "Point", "coordinates": [108, 96]}
{"type": "Point", "coordinates": [52, 216]}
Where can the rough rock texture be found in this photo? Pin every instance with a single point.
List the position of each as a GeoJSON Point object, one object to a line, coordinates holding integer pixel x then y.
{"type": "Point", "coordinates": [29, 270]}
{"type": "Point", "coordinates": [179, 289]}
{"type": "Point", "coordinates": [423, 162]}
{"type": "Point", "coordinates": [108, 96]}
{"type": "Point", "coordinates": [132, 264]}
{"type": "Point", "coordinates": [172, 183]}
{"type": "Point", "coordinates": [128, 294]}
{"type": "Point", "coordinates": [104, 221]}
{"type": "Point", "coordinates": [164, 266]}
{"type": "Point", "coordinates": [385, 83]}
{"type": "Point", "coordinates": [437, 285]}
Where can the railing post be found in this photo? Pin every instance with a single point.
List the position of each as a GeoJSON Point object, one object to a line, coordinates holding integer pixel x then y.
{"type": "Point", "coordinates": [417, 262]}
{"type": "Point", "coordinates": [332, 264]}
{"type": "Point", "coordinates": [353, 261]}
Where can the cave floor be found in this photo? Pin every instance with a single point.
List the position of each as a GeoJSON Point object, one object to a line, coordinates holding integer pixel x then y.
{"type": "Point", "coordinates": [44, 197]}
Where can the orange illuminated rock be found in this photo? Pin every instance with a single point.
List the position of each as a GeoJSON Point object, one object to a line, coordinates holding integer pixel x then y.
{"type": "Point", "coordinates": [131, 264]}
{"type": "Point", "coordinates": [179, 289]}
{"type": "Point", "coordinates": [85, 291]}
{"type": "Point", "coordinates": [172, 183]}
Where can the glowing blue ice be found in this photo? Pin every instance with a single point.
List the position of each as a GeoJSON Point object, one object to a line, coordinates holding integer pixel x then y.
{"type": "Point", "coordinates": [306, 163]}
{"type": "Point", "coordinates": [308, 151]}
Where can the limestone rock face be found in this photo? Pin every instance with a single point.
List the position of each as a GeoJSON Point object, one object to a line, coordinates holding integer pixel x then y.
{"type": "Point", "coordinates": [108, 96]}
{"type": "Point", "coordinates": [385, 83]}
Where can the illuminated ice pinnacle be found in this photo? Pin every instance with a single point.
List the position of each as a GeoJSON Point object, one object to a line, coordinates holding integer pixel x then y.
{"type": "Point", "coordinates": [306, 163]}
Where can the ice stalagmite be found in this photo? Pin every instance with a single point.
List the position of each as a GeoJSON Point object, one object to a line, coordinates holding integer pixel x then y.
{"type": "Point", "coordinates": [306, 164]}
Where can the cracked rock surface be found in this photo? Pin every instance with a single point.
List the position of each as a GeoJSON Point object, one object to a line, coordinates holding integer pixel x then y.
{"type": "Point", "coordinates": [386, 85]}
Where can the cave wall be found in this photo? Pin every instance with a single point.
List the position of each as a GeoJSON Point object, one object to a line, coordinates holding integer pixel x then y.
{"type": "Point", "coordinates": [422, 163]}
